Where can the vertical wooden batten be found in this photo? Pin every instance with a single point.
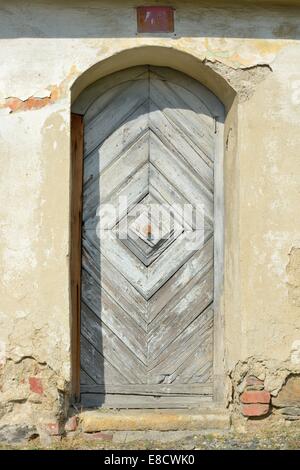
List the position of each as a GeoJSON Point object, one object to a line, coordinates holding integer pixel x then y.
{"type": "Point", "coordinates": [75, 261]}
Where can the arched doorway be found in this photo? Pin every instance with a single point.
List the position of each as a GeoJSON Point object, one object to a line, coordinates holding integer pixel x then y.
{"type": "Point", "coordinates": [151, 248]}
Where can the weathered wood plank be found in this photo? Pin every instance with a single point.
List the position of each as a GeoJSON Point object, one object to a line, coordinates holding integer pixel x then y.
{"type": "Point", "coordinates": [165, 193]}
{"type": "Point", "coordinates": [182, 351]}
{"type": "Point", "coordinates": [114, 176]}
{"type": "Point", "coordinates": [184, 81]}
{"type": "Point", "coordinates": [115, 317]}
{"type": "Point", "coordinates": [85, 380]}
{"type": "Point", "coordinates": [188, 123]}
{"type": "Point", "coordinates": [150, 389]}
{"type": "Point", "coordinates": [219, 216]}
{"type": "Point", "coordinates": [198, 367]}
{"type": "Point", "coordinates": [98, 88]}
{"type": "Point", "coordinates": [116, 143]}
{"type": "Point", "coordinates": [101, 103]}
{"type": "Point", "coordinates": [174, 319]}
{"type": "Point", "coordinates": [172, 289]}
{"type": "Point", "coordinates": [99, 368]}
{"type": "Point", "coordinates": [176, 141]}
{"type": "Point", "coordinates": [189, 103]}
{"type": "Point", "coordinates": [183, 248]}
{"type": "Point", "coordinates": [75, 255]}
{"type": "Point", "coordinates": [114, 114]}
{"type": "Point", "coordinates": [134, 189]}
{"type": "Point", "coordinates": [91, 400]}
{"type": "Point", "coordinates": [125, 295]}
{"type": "Point", "coordinates": [122, 259]}
{"type": "Point", "coordinates": [181, 177]}
{"type": "Point", "coordinates": [147, 280]}
{"type": "Point", "coordinates": [109, 345]}
{"type": "Point", "coordinates": [159, 216]}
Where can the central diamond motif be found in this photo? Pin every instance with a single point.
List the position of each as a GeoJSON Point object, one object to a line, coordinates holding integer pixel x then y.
{"type": "Point", "coordinates": [148, 229]}
{"type": "Point", "coordinates": [151, 228]}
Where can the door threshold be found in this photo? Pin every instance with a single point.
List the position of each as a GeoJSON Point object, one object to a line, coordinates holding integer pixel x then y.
{"type": "Point", "coordinates": [194, 419]}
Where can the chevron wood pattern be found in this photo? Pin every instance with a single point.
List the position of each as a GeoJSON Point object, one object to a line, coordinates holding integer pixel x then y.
{"type": "Point", "coordinates": [147, 286]}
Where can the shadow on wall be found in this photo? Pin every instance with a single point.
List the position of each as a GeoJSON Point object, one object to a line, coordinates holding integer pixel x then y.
{"type": "Point", "coordinates": [91, 19]}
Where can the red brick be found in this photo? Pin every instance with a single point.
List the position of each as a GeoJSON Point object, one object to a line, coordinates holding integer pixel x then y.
{"type": "Point", "coordinates": [254, 383]}
{"type": "Point", "coordinates": [100, 436]}
{"type": "Point", "coordinates": [16, 104]}
{"type": "Point", "coordinates": [36, 385]}
{"type": "Point", "coordinates": [71, 424]}
{"type": "Point", "coordinates": [53, 429]}
{"type": "Point", "coordinates": [255, 396]}
{"type": "Point", "coordinates": [255, 409]}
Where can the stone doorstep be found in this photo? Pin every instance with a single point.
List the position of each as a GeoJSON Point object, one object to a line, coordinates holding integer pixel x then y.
{"type": "Point", "coordinates": [155, 420]}
{"type": "Point", "coordinates": [122, 437]}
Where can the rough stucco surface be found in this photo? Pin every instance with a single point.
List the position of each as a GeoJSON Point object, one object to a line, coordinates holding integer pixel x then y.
{"type": "Point", "coordinates": [44, 48]}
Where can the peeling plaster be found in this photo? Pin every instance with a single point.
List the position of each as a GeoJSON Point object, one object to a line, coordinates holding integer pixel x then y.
{"type": "Point", "coordinates": [16, 104]}
{"type": "Point", "coordinates": [42, 98]}
{"type": "Point", "coordinates": [244, 55]}
{"type": "Point", "coordinates": [295, 352]}
{"type": "Point", "coordinates": [21, 402]}
{"type": "Point", "coordinates": [2, 353]}
{"type": "Point", "coordinates": [273, 373]}
{"type": "Point", "coordinates": [244, 79]}
{"type": "Point", "coordinates": [293, 273]}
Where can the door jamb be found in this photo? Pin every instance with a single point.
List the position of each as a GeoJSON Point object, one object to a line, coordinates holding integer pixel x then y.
{"type": "Point", "coordinates": [219, 245]}
{"type": "Point", "coordinates": [75, 244]}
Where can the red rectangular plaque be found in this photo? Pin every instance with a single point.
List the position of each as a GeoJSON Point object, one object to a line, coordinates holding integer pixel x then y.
{"type": "Point", "coordinates": [155, 19]}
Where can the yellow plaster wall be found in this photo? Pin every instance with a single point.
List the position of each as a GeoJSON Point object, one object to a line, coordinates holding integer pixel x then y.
{"type": "Point", "coordinates": [48, 47]}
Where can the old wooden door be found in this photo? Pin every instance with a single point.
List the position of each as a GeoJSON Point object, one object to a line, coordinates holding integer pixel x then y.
{"type": "Point", "coordinates": [147, 293]}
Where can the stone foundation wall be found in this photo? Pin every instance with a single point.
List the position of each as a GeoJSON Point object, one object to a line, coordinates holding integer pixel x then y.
{"type": "Point", "coordinates": [261, 389]}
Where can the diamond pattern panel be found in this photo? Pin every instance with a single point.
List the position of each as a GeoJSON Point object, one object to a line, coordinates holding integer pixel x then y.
{"type": "Point", "coordinates": [147, 289]}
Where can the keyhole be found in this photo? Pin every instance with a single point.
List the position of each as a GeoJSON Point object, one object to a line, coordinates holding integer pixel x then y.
{"type": "Point", "coordinates": [149, 232]}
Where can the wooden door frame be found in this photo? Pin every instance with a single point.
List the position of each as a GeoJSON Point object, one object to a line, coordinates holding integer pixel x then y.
{"type": "Point", "coordinates": [75, 243]}
{"type": "Point", "coordinates": [219, 248]}
{"type": "Point", "coordinates": [77, 136]}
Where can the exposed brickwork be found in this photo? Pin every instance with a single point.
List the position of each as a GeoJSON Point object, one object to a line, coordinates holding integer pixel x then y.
{"type": "Point", "coordinates": [16, 104]}
{"type": "Point", "coordinates": [255, 400]}
{"type": "Point", "coordinates": [71, 424]}
{"type": "Point", "coordinates": [255, 396]}
{"type": "Point", "coordinates": [255, 409]}
{"type": "Point", "coordinates": [53, 429]}
{"type": "Point", "coordinates": [36, 385]}
{"type": "Point", "coordinates": [253, 383]}
{"type": "Point", "coordinates": [33, 395]}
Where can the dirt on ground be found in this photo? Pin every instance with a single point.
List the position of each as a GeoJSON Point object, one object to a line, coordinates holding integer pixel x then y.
{"type": "Point", "coordinates": [281, 439]}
